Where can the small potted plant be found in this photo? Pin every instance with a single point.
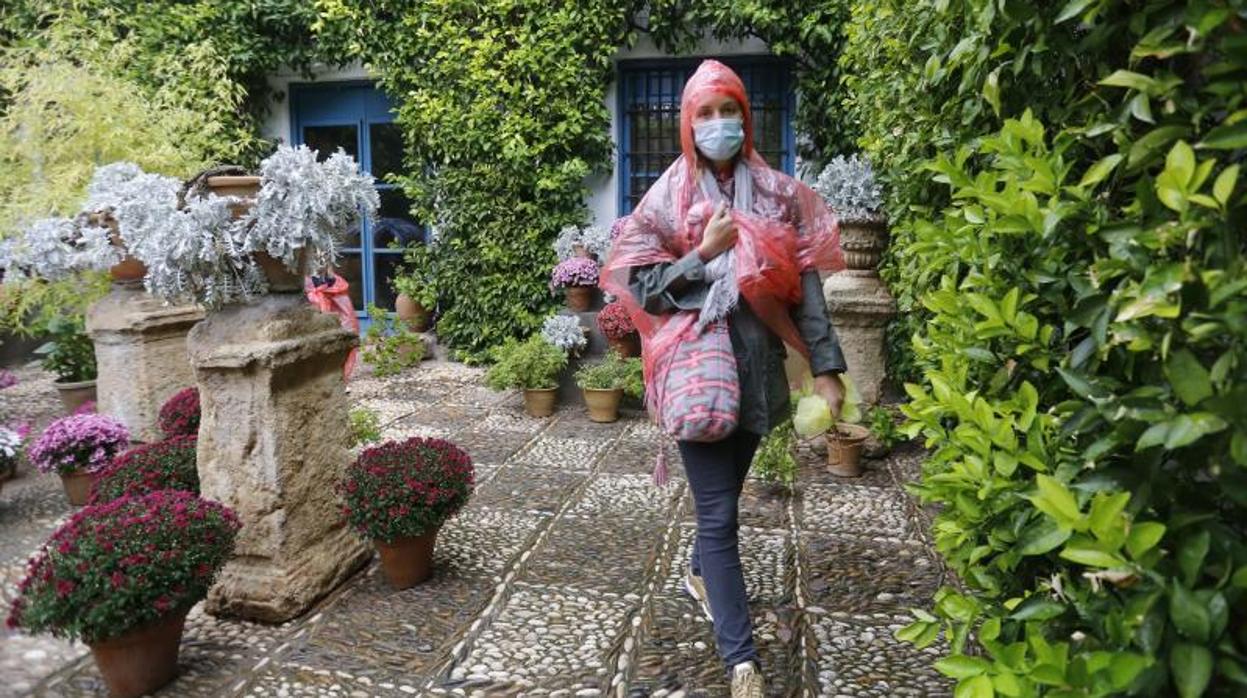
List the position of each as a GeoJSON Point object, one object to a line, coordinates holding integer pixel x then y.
{"type": "Point", "coordinates": [164, 465]}
{"type": "Point", "coordinates": [849, 187]}
{"type": "Point", "coordinates": [845, 437]}
{"type": "Point", "coordinates": [414, 286]}
{"type": "Point", "coordinates": [578, 276]}
{"type": "Point", "coordinates": [179, 416]}
{"type": "Point", "coordinates": [70, 355]}
{"type": "Point", "coordinates": [77, 448]}
{"type": "Point", "coordinates": [121, 577]}
{"type": "Point", "coordinates": [605, 382]}
{"type": "Point", "coordinates": [532, 366]}
{"type": "Point", "coordinates": [389, 346]}
{"type": "Point", "coordinates": [616, 325]}
{"type": "Point", "coordinates": [399, 493]}
{"type": "Point", "coordinates": [566, 333]}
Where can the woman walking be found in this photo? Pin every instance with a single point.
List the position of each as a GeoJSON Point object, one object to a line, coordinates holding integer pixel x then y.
{"type": "Point", "coordinates": [722, 243]}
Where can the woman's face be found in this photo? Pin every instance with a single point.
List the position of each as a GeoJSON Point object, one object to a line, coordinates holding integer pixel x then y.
{"type": "Point", "coordinates": [717, 107]}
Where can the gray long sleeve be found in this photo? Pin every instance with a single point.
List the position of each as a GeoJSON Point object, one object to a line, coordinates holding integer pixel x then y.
{"type": "Point", "coordinates": [815, 327]}
{"type": "Point", "coordinates": [670, 286]}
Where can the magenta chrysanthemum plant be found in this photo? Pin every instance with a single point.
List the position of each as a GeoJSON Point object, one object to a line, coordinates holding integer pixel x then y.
{"type": "Point", "coordinates": [117, 566]}
{"type": "Point", "coordinates": [79, 443]}
{"type": "Point", "coordinates": [8, 379]}
{"type": "Point", "coordinates": [164, 465]}
{"type": "Point", "coordinates": [615, 322]}
{"type": "Point", "coordinates": [576, 271]}
{"type": "Point", "coordinates": [87, 407]}
{"type": "Point", "coordinates": [401, 489]}
{"type": "Point", "coordinates": [179, 416]}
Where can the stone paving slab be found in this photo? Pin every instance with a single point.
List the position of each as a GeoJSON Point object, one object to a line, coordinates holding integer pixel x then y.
{"type": "Point", "coordinates": [562, 577]}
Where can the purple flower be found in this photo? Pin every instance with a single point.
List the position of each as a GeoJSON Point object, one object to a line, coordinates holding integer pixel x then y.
{"type": "Point", "coordinates": [87, 407]}
{"type": "Point", "coordinates": [618, 226]}
{"type": "Point", "coordinates": [575, 271]}
{"type": "Point", "coordinates": [7, 379]}
{"type": "Point", "coordinates": [80, 442]}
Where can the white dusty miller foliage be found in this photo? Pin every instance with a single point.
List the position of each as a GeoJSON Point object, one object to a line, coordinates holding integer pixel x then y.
{"type": "Point", "coordinates": [848, 185]}
{"type": "Point", "coordinates": [142, 208]}
{"type": "Point", "coordinates": [564, 244]}
{"type": "Point", "coordinates": [55, 248]}
{"type": "Point", "coordinates": [110, 185]}
{"type": "Point", "coordinates": [594, 238]}
{"type": "Point", "coordinates": [564, 332]}
{"type": "Point", "coordinates": [199, 256]}
{"type": "Point", "coordinates": [306, 205]}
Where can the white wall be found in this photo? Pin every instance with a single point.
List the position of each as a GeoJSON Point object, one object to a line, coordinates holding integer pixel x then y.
{"type": "Point", "coordinates": [603, 197]}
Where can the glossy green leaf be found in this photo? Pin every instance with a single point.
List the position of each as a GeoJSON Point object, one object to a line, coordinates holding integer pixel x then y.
{"type": "Point", "coordinates": [1229, 137]}
{"type": "Point", "coordinates": [1187, 614]}
{"type": "Point", "coordinates": [962, 666]}
{"type": "Point", "coordinates": [1192, 669]}
{"type": "Point", "coordinates": [1143, 537]}
{"type": "Point", "coordinates": [1188, 377]}
{"type": "Point", "coordinates": [1101, 169]}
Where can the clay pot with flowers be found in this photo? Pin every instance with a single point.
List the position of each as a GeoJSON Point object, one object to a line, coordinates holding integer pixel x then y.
{"type": "Point", "coordinates": [121, 577]}
{"type": "Point", "coordinates": [399, 494]}
{"type": "Point", "coordinates": [578, 276]}
{"type": "Point", "coordinates": [616, 325]}
{"type": "Point", "coordinates": [77, 448]}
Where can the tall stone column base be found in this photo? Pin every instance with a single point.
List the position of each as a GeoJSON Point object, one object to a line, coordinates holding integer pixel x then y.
{"type": "Point", "coordinates": [272, 447]}
{"type": "Point", "coordinates": [140, 349]}
{"type": "Point", "coordinates": [860, 308]}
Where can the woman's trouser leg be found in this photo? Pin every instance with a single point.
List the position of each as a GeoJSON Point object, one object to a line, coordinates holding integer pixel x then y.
{"type": "Point", "coordinates": [716, 474]}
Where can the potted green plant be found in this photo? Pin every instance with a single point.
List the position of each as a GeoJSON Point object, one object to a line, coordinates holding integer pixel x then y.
{"type": "Point", "coordinates": [389, 346]}
{"type": "Point", "coordinates": [605, 382]}
{"type": "Point", "coordinates": [77, 448]}
{"type": "Point", "coordinates": [122, 576]}
{"type": "Point", "coordinates": [416, 293]}
{"type": "Point", "coordinates": [532, 366]}
{"type": "Point", "coordinates": [399, 494]}
{"type": "Point", "coordinates": [845, 437]}
{"type": "Point", "coordinates": [70, 355]}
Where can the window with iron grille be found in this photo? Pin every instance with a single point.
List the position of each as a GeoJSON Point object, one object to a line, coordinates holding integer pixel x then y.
{"type": "Point", "coordinates": [649, 117]}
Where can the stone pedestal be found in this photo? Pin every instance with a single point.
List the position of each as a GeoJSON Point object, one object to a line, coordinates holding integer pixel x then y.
{"type": "Point", "coordinates": [140, 348]}
{"type": "Point", "coordinates": [273, 446]}
{"type": "Point", "coordinates": [860, 306]}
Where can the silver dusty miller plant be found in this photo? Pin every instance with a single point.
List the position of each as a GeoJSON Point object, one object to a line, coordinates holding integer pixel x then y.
{"type": "Point", "coordinates": [564, 332]}
{"type": "Point", "coordinates": [56, 248]}
{"type": "Point", "coordinates": [199, 256]}
{"type": "Point", "coordinates": [142, 204]}
{"type": "Point", "coordinates": [848, 185]}
{"type": "Point", "coordinates": [594, 238]}
{"type": "Point", "coordinates": [306, 205]}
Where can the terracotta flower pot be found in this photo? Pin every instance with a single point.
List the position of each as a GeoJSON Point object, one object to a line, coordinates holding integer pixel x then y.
{"type": "Point", "coordinates": [416, 316]}
{"type": "Point", "coordinates": [580, 250]}
{"type": "Point", "coordinates": [844, 449]}
{"type": "Point", "coordinates": [140, 661]}
{"type": "Point", "coordinates": [406, 562]}
{"type": "Point", "coordinates": [281, 279]}
{"type": "Point", "coordinates": [129, 270]}
{"type": "Point", "coordinates": [73, 395]}
{"type": "Point", "coordinates": [540, 403]}
{"type": "Point", "coordinates": [77, 487]}
{"type": "Point", "coordinates": [628, 346]}
{"type": "Point", "coordinates": [244, 186]}
{"type": "Point", "coordinates": [603, 404]}
{"type": "Point", "coordinates": [579, 298]}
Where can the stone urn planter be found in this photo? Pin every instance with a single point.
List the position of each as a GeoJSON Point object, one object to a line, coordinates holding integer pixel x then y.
{"type": "Point", "coordinates": [75, 394]}
{"type": "Point", "coordinates": [864, 238]}
{"type": "Point", "coordinates": [844, 449]}
{"type": "Point", "coordinates": [406, 562]}
{"type": "Point", "coordinates": [603, 404]}
{"type": "Point", "coordinates": [415, 315]}
{"type": "Point", "coordinates": [142, 660]}
{"type": "Point", "coordinates": [579, 298]}
{"type": "Point", "coordinates": [77, 487]}
{"type": "Point", "coordinates": [540, 402]}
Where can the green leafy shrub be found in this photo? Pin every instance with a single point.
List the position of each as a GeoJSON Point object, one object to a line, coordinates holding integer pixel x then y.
{"type": "Point", "coordinates": [883, 427]}
{"type": "Point", "coordinates": [389, 346]}
{"type": "Point", "coordinates": [416, 280]}
{"type": "Point", "coordinates": [365, 426]}
{"type": "Point", "coordinates": [613, 372]}
{"type": "Point", "coordinates": [69, 352]}
{"type": "Point", "coordinates": [533, 364]}
{"type": "Point", "coordinates": [775, 461]}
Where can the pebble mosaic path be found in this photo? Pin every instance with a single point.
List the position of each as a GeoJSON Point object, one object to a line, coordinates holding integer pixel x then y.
{"type": "Point", "coordinates": [561, 577]}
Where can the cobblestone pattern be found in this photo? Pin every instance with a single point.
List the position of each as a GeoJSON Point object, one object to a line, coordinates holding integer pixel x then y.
{"type": "Point", "coordinates": [563, 576]}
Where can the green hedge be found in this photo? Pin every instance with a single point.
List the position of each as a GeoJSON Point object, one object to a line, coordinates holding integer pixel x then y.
{"type": "Point", "coordinates": [1075, 281]}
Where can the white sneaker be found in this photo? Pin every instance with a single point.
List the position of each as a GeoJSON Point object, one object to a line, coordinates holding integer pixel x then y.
{"type": "Point", "coordinates": [747, 681]}
{"type": "Point", "coordinates": [696, 588]}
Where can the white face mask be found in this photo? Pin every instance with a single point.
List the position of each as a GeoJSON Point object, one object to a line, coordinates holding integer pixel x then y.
{"type": "Point", "coordinates": [719, 139]}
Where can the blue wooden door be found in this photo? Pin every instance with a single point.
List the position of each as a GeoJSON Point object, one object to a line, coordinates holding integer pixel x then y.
{"type": "Point", "coordinates": [359, 118]}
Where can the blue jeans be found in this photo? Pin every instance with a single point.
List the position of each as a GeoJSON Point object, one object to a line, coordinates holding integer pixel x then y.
{"type": "Point", "coordinates": [716, 474]}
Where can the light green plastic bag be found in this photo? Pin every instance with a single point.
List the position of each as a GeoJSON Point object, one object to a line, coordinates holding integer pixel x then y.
{"type": "Point", "coordinates": [813, 414]}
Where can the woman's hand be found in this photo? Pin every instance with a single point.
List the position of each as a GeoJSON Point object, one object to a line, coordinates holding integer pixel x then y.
{"type": "Point", "coordinates": [720, 234]}
{"type": "Point", "coordinates": [831, 388]}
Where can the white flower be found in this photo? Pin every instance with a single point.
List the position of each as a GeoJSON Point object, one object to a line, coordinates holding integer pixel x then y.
{"type": "Point", "coordinates": [849, 187]}
{"type": "Point", "coordinates": [564, 332]}
{"type": "Point", "coordinates": [10, 442]}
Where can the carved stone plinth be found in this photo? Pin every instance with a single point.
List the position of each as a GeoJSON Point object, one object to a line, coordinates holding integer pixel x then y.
{"type": "Point", "coordinates": [860, 306]}
{"type": "Point", "coordinates": [273, 446]}
{"type": "Point", "coordinates": [140, 348]}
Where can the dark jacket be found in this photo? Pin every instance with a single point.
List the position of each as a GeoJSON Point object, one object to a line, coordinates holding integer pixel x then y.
{"type": "Point", "coordinates": [681, 285]}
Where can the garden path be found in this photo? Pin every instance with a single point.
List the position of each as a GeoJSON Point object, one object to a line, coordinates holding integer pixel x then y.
{"type": "Point", "coordinates": [561, 578]}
